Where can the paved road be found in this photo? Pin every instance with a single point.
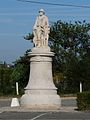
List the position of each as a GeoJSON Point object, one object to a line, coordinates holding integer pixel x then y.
{"type": "Point", "coordinates": [69, 102]}
{"type": "Point", "coordinates": [5, 102]}
{"type": "Point", "coordinates": [44, 116]}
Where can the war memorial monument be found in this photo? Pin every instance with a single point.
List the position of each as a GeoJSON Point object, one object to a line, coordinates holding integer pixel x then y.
{"type": "Point", "coordinates": [41, 93]}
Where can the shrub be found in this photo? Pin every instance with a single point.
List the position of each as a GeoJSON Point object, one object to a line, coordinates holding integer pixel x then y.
{"type": "Point", "coordinates": [83, 101]}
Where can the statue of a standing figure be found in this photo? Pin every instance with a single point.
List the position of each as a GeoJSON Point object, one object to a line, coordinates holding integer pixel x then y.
{"type": "Point", "coordinates": [41, 30]}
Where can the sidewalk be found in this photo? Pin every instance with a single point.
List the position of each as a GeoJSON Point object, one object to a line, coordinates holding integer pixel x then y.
{"type": "Point", "coordinates": [20, 109]}
{"type": "Point", "coordinates": [63, 108]}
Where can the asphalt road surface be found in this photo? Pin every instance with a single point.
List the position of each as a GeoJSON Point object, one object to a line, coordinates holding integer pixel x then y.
{"type": "Point", "coordinates": [44, 116]}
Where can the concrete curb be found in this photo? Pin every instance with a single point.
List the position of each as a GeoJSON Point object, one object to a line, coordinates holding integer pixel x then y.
{"type": "Point", "coordinates": [68, 98]}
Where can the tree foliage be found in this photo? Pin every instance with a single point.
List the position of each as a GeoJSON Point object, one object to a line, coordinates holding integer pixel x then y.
{"type": "Point", "coordinates": [20, 73]}
{"type": "Point", "coordinates": [5, 80]}
{"type": "Point", "coordinates": [71, 44]}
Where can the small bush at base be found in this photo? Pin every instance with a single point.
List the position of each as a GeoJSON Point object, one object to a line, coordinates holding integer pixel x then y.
{"type": "Point", "coordinates": [83, 101]}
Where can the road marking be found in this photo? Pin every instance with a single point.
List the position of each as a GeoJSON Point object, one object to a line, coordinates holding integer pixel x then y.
{"type": "Point", "coordinates": [38, 116]}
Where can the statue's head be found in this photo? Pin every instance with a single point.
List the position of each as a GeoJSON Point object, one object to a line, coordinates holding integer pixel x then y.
{"type": "Point", "coordinates": [41, 12]}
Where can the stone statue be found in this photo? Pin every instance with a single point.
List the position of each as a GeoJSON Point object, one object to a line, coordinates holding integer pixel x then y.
{"type": "Point", "coordinates": [40, 92]}
{"type": "Point", "coordinates": [41, 30]}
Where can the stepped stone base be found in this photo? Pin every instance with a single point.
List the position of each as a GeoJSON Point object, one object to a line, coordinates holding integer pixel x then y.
{"type": "Point", "coordinates": [40, 93]}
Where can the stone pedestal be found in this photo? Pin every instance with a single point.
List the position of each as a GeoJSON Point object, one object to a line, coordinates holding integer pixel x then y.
{"type": "Point", "coordinates": [40, 93]}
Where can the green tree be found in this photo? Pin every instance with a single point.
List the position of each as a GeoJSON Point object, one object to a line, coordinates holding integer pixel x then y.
{"type": "Point", "coordinates": [20, 73]}
{"type": "Point", "coordinates": [70, 42]}
{"type": "Point", "coordinates": [5, 80]}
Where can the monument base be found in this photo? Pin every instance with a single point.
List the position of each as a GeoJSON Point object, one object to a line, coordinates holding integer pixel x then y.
{"type": "Point", "coordinates": [40, 92]}
{"type": "Point", "coordinates": [40, 101]}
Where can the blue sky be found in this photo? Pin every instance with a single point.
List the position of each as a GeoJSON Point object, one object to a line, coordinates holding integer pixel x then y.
{"type": "Point", "coordinates": [17, 19]}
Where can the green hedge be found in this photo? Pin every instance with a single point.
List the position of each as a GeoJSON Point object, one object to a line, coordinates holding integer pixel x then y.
{"type": "Point", "coordinates": [83, 101]}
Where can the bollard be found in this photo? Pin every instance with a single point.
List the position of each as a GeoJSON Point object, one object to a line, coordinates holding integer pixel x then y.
{"type": "Point", "coordinates": [15, 102]}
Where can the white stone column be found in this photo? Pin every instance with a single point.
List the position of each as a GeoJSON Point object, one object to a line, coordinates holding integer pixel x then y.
{"type": "Point", "coordinates": [40, 93]}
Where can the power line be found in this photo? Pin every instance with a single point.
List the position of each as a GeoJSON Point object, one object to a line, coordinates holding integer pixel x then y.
{"type": "Point", "coordinates": [56, 4]}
